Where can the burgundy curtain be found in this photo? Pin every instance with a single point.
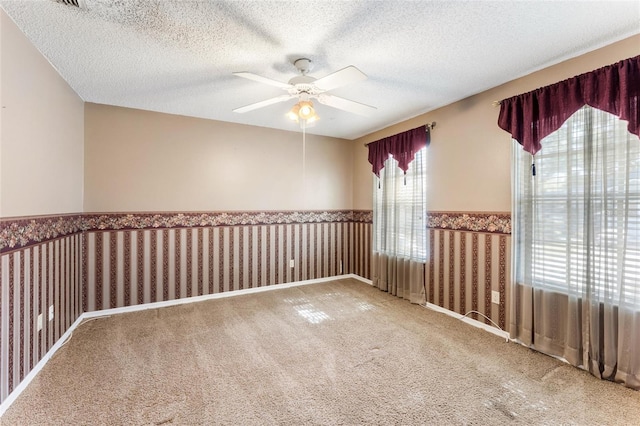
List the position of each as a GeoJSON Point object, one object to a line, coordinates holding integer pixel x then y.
{"type": "Point", "coordinates": [402, 146]}
{"type": "Point", "coordinates": [532, 116]}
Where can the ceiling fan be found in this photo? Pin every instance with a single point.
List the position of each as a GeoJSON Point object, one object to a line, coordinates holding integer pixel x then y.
{"type": "Point", "coordinates": [305, 88]}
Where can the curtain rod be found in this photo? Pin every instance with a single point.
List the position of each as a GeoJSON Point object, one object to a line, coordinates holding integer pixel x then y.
{"type": "Point", "coordinates": [428, 126]}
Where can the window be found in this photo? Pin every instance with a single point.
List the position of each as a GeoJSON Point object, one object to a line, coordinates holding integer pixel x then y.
{"type": "Point", "coordinates": [399, 210]}
{"type": "Point", "coordinates": [577, 221]}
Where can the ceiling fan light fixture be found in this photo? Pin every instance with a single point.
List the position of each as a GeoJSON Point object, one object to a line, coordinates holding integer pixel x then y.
{"type": "Point", "coordinates": [293, 112]}
{"type": "Point", "coordinates": [306, 110]}
{"type": "Point", "coordinates": [313, 119]}
{"type": "Point", "coordinates": [303, 112]}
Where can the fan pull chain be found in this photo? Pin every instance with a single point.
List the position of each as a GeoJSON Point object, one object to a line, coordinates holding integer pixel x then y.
{"type": "Point", "coordinates": [304, 148]}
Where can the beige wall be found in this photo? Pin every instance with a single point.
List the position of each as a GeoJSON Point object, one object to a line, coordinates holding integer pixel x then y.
{"type": "Point", "coordinates": [469, 157]}
{"type": "Point", "coordinates": [147, 161]}
{"type": "Point", "coordinates": [41, 136]}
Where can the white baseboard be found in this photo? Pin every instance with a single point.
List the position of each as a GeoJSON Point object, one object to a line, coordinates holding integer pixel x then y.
{"type": "Point", "coordinates": [359, 278]}
{"type": "Point", "coordinates": [193, 299]}
{"type": "Point", "coordinates": [456, 315]}
{"type": "Point", "coordinates": [39, 366]}
{"type": "Point", "coordinates": [469, 321]}
{"type": "Point", "coordinates": [108, 312]}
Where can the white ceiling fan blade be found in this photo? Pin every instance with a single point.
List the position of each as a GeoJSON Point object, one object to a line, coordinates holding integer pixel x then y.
{"type": "Point", "coordinates": [340, 78]}
{"type": "Point", "coordinates": [261, 104]}
{"type": "Point", "coordinates": [346, 104]}
{"type": "Point", "coordinates": [265, 80]}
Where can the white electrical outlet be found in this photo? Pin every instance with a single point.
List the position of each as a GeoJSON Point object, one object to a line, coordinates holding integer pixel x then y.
{"type": "Point", "coordinates": [51, 313]}
{"type": "Point", "coordinates": [292, 263]}
{"type": "Point", "coordinates": [495, 297]}
{"type": "Point", "coordinates": [39, 322]}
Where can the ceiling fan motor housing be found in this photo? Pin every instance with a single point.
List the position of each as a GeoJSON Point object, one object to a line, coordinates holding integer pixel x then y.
{"type": "Point", "coordinates": [303, 84]}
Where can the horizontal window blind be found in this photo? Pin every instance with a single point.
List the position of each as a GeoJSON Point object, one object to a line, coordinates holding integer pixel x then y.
{"type": "Point", "coordinates": [579, 217]}
{"type": "Point", "coordinates": [400, 209]}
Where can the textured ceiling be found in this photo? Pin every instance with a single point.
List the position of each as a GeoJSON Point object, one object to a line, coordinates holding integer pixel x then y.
{"type": "Point", "coordinates": [178, 56]}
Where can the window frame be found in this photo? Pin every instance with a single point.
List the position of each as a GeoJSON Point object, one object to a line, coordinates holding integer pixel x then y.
{"type": "Point", "coordinates": [546, 251]}
{"type": "Point", "coordinates": [416, 250]}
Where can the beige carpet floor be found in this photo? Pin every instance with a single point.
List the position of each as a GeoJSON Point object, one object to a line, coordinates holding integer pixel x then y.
{"type": "Point", "coordinates": [337, 353]}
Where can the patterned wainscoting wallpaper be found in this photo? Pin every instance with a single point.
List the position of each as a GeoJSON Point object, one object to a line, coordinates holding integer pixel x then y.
{"type": "Point", "coordinates": [151, 258]}
{"type": "Point", "coordinates": [34, 278]}
{"type": "Point", "coordinates": [80, 263]}
{"type": "Point", "coordinates": [86, 262]}
{"type": "Point", "coordinates": [469, 258]}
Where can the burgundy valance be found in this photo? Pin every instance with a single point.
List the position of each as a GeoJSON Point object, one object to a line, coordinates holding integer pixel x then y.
{"type": "Point", "coordinates": [532, 116]}
{"type": "Point", "coordinates": [402, 146]}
